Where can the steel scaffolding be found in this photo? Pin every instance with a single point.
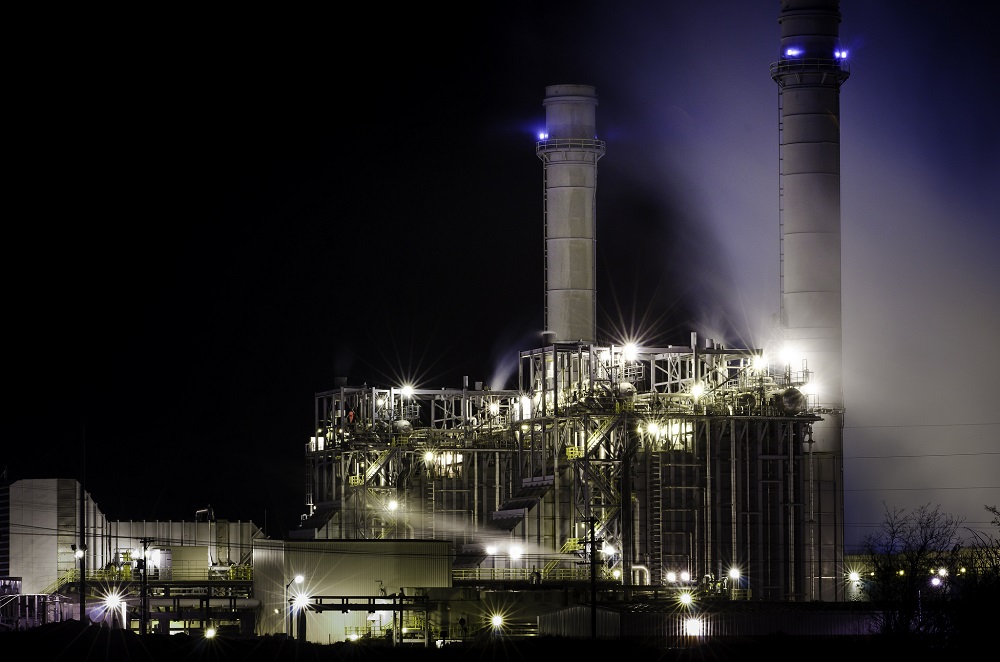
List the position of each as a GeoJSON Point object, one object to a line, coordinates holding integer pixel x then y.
{"type": "Point", "coordinates": [663, 466]}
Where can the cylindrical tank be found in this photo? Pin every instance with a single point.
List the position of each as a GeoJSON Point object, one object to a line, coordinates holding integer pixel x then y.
{"type": "Point", "coordinates": [570, 151]}
{"type": "Point", "coordinates": [790, 401]}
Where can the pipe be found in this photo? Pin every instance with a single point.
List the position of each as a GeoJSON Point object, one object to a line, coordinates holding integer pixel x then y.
{"type": "Point", "coordinates": [642, 568]}
{"type": "Point", "coordinates": [178, 603]}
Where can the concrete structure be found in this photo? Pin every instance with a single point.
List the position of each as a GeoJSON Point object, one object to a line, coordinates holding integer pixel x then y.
{"type": "Point", "coordinates": [570, 151]}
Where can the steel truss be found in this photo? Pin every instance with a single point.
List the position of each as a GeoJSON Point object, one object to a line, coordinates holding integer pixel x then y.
{"type": "Point", "coordinates": [672, 460]}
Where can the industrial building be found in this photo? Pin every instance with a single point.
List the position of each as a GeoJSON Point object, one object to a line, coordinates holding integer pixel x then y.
{"type": "Point", "coordinates": [718, 464]}
{"type": "Point", "coordinates": [639, 473]}
{"type": "Point", "coordinates": [63, 559]}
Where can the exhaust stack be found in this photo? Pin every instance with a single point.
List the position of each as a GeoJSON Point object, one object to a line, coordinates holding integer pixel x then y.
{"type": "Point", "coordinates": [569, 150]}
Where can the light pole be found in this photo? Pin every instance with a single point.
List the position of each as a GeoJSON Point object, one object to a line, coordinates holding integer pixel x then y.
{"type": "Point", "coordinates": [80, 554]}
{"type": "Point", "coordinates": [144, 587]}
{"type": "Point", "coordinates": [288, 607]}
{"type": "Point", "coordinates": [734, 583]}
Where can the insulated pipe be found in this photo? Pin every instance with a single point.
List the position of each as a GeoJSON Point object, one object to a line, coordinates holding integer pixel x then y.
{"type": "Point", "coordinates": [569, 150]}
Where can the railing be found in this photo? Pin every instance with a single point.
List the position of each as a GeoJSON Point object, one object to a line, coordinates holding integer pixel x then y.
{"type": "Point", "coordinates": [808, 65]}
{"type": "Point", "coordinates": [571, 545]}
{"type": "Point", "coordinates": [127, 574]}
{"type": "Point", "coordinates": [520, 574]}
{"type": "Point", "coordinates": [570, 143]}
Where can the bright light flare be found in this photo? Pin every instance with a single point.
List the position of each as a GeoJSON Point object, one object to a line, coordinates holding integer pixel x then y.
{"type": "Point", "coordinates": [685, 576]}
{"type": "Point", "coordinates": [697, 390]}
{"type": "Point", "coordinates": [671, 576]}
{"type": "Point", "coordinates": [113, 600]}
{"type": "Point", "coordinates": [301, 601]}
{"type": "Point", "coordinates": [515, 552]}
{"type": "Point", "coordinates": [406, 391]}
{"type": "Point", "coordinates": [496, 620]}
{"type": "Point", "coordinates": [393, 505]}
{"type": "Point", "coordinates": [789, 355]}
{"type": "Point", "coordinates": [734, 573]}
{"type": "Point", "coordinates": [685, 598]}
{"type": "Point", "coordinates": [630, 352]}
{"type": "Point", "coordinates": [694, 627]}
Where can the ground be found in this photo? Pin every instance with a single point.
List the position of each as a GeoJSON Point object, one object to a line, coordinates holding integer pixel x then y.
{"type": "Point", "coordinates": [74, 642]}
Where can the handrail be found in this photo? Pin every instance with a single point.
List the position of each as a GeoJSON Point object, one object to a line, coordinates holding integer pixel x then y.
{"type": "Point", "coordinates": [570, 143]}
{"type": "Point", "coordinates": [810, 65]}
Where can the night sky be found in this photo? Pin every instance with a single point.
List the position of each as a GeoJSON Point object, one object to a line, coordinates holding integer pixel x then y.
{"type": "Point", "coordinates": [212, 217]}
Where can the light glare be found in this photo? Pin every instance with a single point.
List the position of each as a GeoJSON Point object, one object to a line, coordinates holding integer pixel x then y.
{"type": "Point", "coordinates": [693, 627]}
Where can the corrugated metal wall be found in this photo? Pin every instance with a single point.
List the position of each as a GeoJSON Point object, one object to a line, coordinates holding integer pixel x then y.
{"type": "Point", "coordinates": [228, 543]}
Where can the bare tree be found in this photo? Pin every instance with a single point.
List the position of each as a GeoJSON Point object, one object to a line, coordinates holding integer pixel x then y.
{"type": "Point", "coordinates": [909, 559]}
{"type": "Point", "coordinates": [978, 585]}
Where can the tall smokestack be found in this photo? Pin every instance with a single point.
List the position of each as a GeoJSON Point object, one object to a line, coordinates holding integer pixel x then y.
{"type": "Point", "coordinates": [809, 73]}
{"type": "Point", "coordinates": [570, 151]}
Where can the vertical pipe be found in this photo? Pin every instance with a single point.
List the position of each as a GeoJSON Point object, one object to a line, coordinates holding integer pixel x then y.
{"type": "Point", "coordinates": [627, 547]}
{"type": "Point", "coordinates": [733, 487]}
{"type": "Point", "coordinates": [593, 578]}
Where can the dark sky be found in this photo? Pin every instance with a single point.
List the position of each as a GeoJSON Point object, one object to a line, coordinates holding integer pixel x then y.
{"type": "Point", "coordinates": [213, 216]}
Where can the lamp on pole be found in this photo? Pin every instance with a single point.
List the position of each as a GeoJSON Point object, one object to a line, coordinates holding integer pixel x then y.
{"type": "Point", "coordinates": [80, 554]}
{"type": "Point", "coordinates": [298, 579]}
{"type": "Point", "coordinates": [144, 587]}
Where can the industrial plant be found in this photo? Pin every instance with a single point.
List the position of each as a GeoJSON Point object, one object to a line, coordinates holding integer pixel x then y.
{"type": "Point", "coordinates": [651, 462]}
{"type": "Point", "coordinates": [613, 473]}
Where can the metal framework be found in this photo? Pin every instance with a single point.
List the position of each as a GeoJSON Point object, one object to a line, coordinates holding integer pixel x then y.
{"type": "Point", "coordinates": [664, 466]}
